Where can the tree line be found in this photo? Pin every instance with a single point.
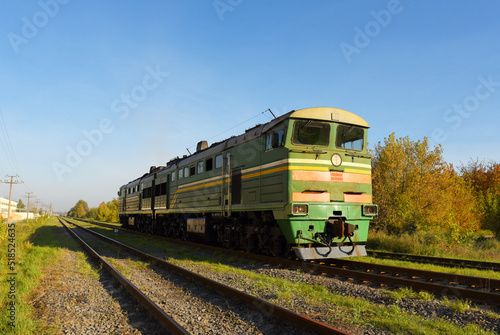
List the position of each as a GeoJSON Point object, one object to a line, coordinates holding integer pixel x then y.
{"type": "Point", "coordinates": [106, 211]}
{"type": "Point", "coordinates": [416, 190]}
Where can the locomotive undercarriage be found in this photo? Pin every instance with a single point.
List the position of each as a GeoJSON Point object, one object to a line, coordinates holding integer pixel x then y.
{"type": "Point", "coordinates": [255, 232]}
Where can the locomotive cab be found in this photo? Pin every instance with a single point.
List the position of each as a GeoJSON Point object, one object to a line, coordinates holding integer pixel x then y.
{"type": "Point", "coordinates": [329, 181]}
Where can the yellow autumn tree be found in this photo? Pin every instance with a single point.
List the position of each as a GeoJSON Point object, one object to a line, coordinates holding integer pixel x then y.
{"type": "Point", "coordinates": [416, 190]}
{"type": "Point", "coordinates": [484, 179]}
{"type": "Point", "coordinates": [80, 210]}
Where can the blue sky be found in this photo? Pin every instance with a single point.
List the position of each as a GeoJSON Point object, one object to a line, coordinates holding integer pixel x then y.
{"type": "Point", "coordinates": [93, 93]}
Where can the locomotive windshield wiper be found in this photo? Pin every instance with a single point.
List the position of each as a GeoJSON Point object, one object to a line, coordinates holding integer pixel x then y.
{"type": "Point", "coordinates": [357, 155]}
{"type": "Point", "coordinates": [318, 151]}
{"type": "Point", "coordinates": [344, 135]}
{"type": "Point", "coordinates": [311, 151]}
{"type": "Point", "coordinates": [305, 126]}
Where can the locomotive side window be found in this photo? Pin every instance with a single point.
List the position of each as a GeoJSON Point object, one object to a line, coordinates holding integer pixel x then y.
{"type": "Point", "coordinates": [209, 164]}
{"type": "Point", "coordinates": [163, 187]}
{"type": "Point", "coordinates": [275, 140]}
{"type": "Point", "coordinates": [309, 132]}
{"type": "Point", "coordinates": [181, 174]}
{"type": "Point", "coordinates": [173, 176]}
{"type": "Point", "coordinates": [200, 167]}
{"type": "Point", "coordinates": [186, 172]}
{"type": "Point", "coordinates": [218, 161]}
{"type": "Point", "coordinates": [350, 137]}
{"type": "Point", "coordinates": [192, 170]}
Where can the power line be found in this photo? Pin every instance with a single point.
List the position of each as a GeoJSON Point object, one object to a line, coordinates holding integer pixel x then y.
{"type": "Point", "coordinates": [239, 124]}
{"type": "Point", "coordinates": [8, 146]}
{"type": "Point", "coordinates": [10, 154]}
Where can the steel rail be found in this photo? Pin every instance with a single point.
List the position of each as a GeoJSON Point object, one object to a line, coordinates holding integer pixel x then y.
{"type": "Point", "coordinates": [483, 283]}
{"type": "Point", "coordinates": [262, 305]}
{"type": "Point", "coordinates": [473, 295]}
{"type": "Point", "coordinates": [483, 295]}
{"type": "Point", "coordinates": [464, 263]}
{"type": "Point", "coordinates": [164, 319]}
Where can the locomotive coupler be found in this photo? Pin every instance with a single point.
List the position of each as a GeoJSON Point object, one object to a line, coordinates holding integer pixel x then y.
{"type": "Point", "coordinates": [337, 227]}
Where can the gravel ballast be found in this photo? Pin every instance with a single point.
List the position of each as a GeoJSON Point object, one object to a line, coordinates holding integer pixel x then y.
{"type": "Point", "coordinates": [71, 301]}
{"type": "Point", "coordinates": [203, 312]}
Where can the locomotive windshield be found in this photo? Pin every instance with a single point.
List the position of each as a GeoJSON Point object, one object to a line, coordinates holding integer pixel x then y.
{"type": "Point", "coordinates": [308, 132]}
{"type": "Point", "coordinates": [350, 137]}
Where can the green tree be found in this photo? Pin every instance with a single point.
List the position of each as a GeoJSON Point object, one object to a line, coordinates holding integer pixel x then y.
{"type": "Point", "coordinates": [80, 210]}
{"type": "Point", "coordinates": [417, 190]}
{"type": "Point", "coordinates": [92, 214]}
{"type": "Point", "coordinates": [20, 205]}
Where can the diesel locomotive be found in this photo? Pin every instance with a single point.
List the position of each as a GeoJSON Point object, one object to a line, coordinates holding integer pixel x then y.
{"type": "Point", "coordinates": [300, 183]}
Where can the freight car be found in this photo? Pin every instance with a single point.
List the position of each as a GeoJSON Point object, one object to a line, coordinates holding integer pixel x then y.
{"type": "Point", "coordinates": [299, 183]}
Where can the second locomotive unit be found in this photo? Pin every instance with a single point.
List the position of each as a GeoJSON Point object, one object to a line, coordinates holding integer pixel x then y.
{"type": "Point", "coordinates": [299, 183]}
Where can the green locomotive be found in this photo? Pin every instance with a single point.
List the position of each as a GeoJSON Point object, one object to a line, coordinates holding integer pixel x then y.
{"type": "Point", "coordinates": [301, 183]}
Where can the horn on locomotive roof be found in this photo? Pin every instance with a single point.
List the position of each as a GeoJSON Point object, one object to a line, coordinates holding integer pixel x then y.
{"type": "Point", "coordinates": [202, 145]}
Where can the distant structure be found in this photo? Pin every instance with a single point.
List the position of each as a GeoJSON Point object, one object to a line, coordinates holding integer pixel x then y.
{"type": "Point", "coordinates": [14, 215]}
{"type": "Point", "coordinates": [4, 206]}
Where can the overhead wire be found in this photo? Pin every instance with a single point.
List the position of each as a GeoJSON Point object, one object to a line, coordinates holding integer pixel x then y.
{"type": "Point", "coordinates": [10, 154]}
{"type": "Point", "coordinates": [7, 154]}
{"type": "Point", "coordinates": [239, 124]}
{"type": "Point", "coordinates": [9, 151]}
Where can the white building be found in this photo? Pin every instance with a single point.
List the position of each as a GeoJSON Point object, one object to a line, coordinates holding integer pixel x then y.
{"type": "Point", "coordinates": [4, 209]}
{"type": "Point", "coordinates": [4, 205]}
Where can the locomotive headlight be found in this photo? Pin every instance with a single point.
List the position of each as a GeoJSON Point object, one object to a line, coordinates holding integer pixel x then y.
{"type": "Point", "coordinates": [336, 160]}
{"type": "Point", "coordinates": [299, 209]}
{"type": "Point", "coordinates": [370, 210]}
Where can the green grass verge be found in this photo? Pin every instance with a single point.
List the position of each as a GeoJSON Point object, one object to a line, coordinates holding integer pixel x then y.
{"type": "Point", "coordinates": [434, 244]}
{"type": "Point", "coordinates": [37, 245]}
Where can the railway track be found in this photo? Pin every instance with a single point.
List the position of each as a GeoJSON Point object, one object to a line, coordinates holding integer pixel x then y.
{"type": "Point", "coordinates": [163, 318]}
{"type": "Point", "coordinates": [450, 262]}
{"type": "Point", "coordinates": [475, 289]}
{"type": "Point", "coordinates": [260, 305]}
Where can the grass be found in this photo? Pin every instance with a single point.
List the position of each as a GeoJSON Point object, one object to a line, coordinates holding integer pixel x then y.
{"type": "Point", "coordinates": [406, 293]}
{"type": "Point", "coordinates": [37, 245]}
{"type": "Point", "coordinates": [434, 244]}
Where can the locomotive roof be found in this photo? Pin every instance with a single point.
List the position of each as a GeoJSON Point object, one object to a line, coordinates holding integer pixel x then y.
{"type": "Point", "coordinates": [329, 114]}
{"type": "Point", "coordinates": [315, 113]}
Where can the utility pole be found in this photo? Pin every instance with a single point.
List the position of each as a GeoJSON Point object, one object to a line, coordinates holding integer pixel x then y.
{"type": "Point", "coordinates": [36, 209]}
{"type": "Point", "coordinates": [10, 193]}
{"type": "Point", "coordinates": [29, 194]}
